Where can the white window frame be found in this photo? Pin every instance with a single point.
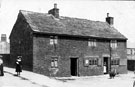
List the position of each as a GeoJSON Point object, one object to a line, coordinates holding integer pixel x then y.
{"type": "Point", "coordinates": [53, 40]}
{"type": "Point", "coordinates": [89, 61]}
{"type": "Point", "coordinates": [92, 43]}
{"type": "Point", "coordinates": [86, 62]}
{"type": "Point", "coordinates": [54, 62]}
{"type": "Point", "coordinates": [114, 44]}
{"type": "Point", "coordinates": [93, 61]}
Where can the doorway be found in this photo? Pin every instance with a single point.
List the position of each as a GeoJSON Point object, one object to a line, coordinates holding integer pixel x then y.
{"type": "Point", "coordinates": [74, 66]}
{"type": "Point", "coordinates": [105, 65]}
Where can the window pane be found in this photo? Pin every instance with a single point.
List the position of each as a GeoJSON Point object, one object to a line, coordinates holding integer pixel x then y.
{"type": "Point", "coordinates": [55, 41]}
{"type": "Point", "coordinates": [116, 62]}
{"type": "Point", "coordinates": [52, 63]}
{"type": "Point", "coordinates": [95, 43]}
{"type": "Point", "coordinates": [92, 42]}
{"type": "Point", "coordinates": [95, 61]}
{"type": "Point", "coordinates": [113, 43]}
{"type": "Point", "coordinates": [90, 62]}
{"type": "Point", "coordinates": [89, 43]}
{"type": "Point", "coordinates": [112, 62]}
{"type": "Point", "coordinates": [51, 41]}
{"type": "Point", "coordinates": [86, 61]}
{"type": "Point", "coordinates": [56, 63]}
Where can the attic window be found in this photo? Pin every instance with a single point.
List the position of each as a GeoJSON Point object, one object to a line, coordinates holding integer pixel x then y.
{"type": "Point", "coordinates": [92, 43]}
{"type": "Point", "coordinates": [53, 40]}
{"type": "Point", "coordinates": [113, 44]}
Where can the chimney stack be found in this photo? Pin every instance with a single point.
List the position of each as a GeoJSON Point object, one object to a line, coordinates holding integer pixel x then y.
{"type": "Point", "coordinates": [54, 11]}
{"type": "Point", "coordinates": [3, 37]}
{"type": "Point", "coordinates": [109, 20]}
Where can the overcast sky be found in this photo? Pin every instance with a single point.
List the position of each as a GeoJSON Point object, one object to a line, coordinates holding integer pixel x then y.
{"type": "Point", "coordinates": [122, 11]}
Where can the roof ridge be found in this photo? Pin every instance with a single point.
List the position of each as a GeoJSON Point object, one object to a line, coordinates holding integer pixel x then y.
{"type": "Point", "coordinates": [44, 22]}
{"type": "Point", "coordinates": [62, 16]}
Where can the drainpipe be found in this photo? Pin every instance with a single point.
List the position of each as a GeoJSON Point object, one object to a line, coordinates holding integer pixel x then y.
{"type": "Point", "coordinates": [110, 49]}
{"type": "Point", "coordinates": [78, 68]}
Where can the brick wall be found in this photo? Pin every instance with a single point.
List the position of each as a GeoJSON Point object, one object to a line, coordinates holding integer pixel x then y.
{"type": "Point", "coordinates": [21, 43]}
{"type": "Point", "coordinates": [69, 47]}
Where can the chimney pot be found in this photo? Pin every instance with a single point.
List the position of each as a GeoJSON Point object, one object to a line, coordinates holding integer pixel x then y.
{"type": "Point", "coordinates": [107, 14]}
{"type": "Point", "coordinates": [55, 5]}
{"type": "Point", "coordinates": [3, 37]}
{"type": "Point", "coordinates": [109, 20]}
{"type": "Point", "coordinates": [54, 11]}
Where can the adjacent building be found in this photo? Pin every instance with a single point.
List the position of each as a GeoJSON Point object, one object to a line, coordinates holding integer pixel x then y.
{"type": "Point", "coordinates": [51, 44]}
{"type": "Point", "coordinates": [4, 49]}
{"type": "Point", "coordinates": [131, 58]}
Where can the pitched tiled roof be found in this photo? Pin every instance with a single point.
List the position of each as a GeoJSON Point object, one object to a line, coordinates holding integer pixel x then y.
{"type": "Point", "coordinates": [46, 23]}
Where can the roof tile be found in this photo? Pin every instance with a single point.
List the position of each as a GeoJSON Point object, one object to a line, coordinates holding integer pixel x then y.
{"type": "Point", "coordinates": [46, 23]}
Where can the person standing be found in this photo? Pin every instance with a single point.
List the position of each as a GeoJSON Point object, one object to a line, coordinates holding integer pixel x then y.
{"type": "Point", "coordinates": [1, 67]}
{"type": "Point", "coordinates": [104, 68]}
{"type": "Point", "coordinates": [18, 66]}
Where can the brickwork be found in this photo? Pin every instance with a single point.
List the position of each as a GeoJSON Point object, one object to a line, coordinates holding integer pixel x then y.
{"type": "Point", "coordinates": [69, 47]}
{"type": "Point", "coordinates": [21, 43]}
{"type": "Point", "coordinates": [36, 51]}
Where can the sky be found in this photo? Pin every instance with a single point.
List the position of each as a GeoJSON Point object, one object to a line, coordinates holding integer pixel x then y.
{"type": "Point", "coordinates": [122, 11]}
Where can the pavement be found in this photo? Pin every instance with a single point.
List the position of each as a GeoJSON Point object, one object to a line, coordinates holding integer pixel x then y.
{"type": "Point", "coordinates": [30, 79]}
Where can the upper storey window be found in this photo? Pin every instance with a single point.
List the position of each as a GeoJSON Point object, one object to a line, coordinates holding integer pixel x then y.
{"type": "Point", "coordinates": [53, 40]}
{"type": "Point", "coordinates": [113, 44]}
{"type": "Point", "coordinates": [92, 43]}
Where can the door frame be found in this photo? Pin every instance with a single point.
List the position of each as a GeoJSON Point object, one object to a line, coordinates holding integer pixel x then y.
{"type": "Point", "coordinates": [77, 66]}
{"type": "Point", "coordinates": [106, 59]}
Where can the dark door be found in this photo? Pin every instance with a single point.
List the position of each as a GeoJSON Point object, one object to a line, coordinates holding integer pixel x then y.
{"type": "Point", "coordinates": [105, 65]}
{"type": "Point", "coordinates": [73, 66]}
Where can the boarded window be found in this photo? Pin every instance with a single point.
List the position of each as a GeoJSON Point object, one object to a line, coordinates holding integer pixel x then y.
{"type": "Point", "coordinates": [123, 61]}
{"type": "Point", "coordinates": [99, 61]}
{"type": "Point", "coordinates": [86, 62]}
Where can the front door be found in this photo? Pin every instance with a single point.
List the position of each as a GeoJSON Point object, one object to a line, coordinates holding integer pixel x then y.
{"type": "Point", "coordinates": [105, 65]}
{"type": "Point", "coordinates": [73, 66]}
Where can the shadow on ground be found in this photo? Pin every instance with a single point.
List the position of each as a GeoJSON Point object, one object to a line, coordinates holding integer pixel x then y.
{"type": "Point", "coordinates": [65, 80]}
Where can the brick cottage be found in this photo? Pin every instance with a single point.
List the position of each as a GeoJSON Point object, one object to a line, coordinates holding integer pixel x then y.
{"type": "Point", "coordinates": [62, 46]}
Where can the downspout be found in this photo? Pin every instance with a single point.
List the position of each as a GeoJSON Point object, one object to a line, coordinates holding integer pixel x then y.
{"type": "Point", "coordinates": [110, 54]}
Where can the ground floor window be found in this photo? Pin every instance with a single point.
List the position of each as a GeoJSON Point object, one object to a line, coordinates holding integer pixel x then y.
{"type": "Point", "coordinates": [86, 62]}
{"type": "Point", "coordinates": [54, 62]}
{"type": "Point", "coordinates": [115, 62]}
{"type": "Point", "coordinates": [93, 61]}
{"type": "Point", "coordinates": [90, 61]}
